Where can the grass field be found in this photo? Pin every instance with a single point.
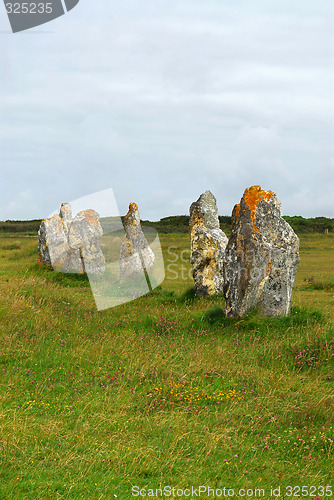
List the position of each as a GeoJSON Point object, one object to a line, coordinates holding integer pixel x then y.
{"type": "Point", "coordinates": [162, 390]}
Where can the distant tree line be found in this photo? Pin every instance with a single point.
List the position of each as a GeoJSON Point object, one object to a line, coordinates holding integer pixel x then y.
{"type": "Point", "coordinates": [180, 224]}
{"type": "Point", "coordinates": [19, 226]}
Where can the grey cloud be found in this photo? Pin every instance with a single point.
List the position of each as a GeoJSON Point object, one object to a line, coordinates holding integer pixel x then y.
{"type": "Point", "coordinates": [161, 102]}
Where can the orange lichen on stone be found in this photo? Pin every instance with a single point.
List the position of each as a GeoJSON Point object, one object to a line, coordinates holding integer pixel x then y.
{"type": "Point", "coordinates": [254, 194]}
{"type": "Point", "coordinates": [252, 197]}
{"type": "Point", "coordinates": [269, 267]}
{"type": "Point", "coordinates": [128, 245]}
{"type": "Point", "coordinates": [237, 211]}
{"type": "Point", "coordinates": [132, 205]}
{"type": "Point", "coordinates": [39, 261]}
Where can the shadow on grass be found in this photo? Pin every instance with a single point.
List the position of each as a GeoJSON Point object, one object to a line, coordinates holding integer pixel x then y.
{"type": "Point", "coordinates": [190, 296]}
{"type": "Point", "coordinates": [254, 320]}
{"type": "Point", "coordinates": [65, 279]}
{"type": "Point", "coordinates": [162, 296]}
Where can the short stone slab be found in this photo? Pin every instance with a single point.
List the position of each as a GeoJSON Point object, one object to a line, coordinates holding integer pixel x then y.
{"type": "Point", "coordinates": [261, 257]}
{"type": "Point", "coordinates": [136, 256]}
{"type": "Point", "coordinates": [208, 243]}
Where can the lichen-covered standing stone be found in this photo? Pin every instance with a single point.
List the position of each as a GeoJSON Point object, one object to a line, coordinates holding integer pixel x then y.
{"type": "Point", "coordinates": [261, 257]}
{"type": "Point", "coordinates": [136, 256]}
{"type": "Point", "coordinates": [208, 243]}
{"type": "Point", "coordinates": [52, 242]}
{"type": "Point", "coordinates": [71, 245]}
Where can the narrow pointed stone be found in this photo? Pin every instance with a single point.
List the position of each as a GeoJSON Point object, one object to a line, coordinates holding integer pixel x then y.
{"type": "Point", "coordinates": [208, 243]}
{"type": "Point", "coordinates": [136, 256]}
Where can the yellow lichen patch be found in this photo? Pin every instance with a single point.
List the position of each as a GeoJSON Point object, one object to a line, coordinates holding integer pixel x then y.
{"type": "Point", "coordinates": [132, 205]}
{"type": "Point", "coordinates": [128, 245]}
{"type": "Point", "coordinates": [59, 226]}
{"type": "Point", "coordinates": [196, 220]}
{"type": "Point", "coordinates": [57, 222]}
{"type": "Point", "coordinates": [91, 217]}
{"type": "Point", "coordinates": [269, 267]}
{"type": "Point", "coordinates": [252, 197]}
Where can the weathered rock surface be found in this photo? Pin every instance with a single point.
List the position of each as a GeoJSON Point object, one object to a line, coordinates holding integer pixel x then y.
{"type": "Point", "coordinates": [84, 235]}
{"type": "Point", "coordinates": [72, 245]}
{"type": "Point", "coordinates": [135, 255]}
{"type": "Point", "coordinates": [65, 214]}
{"type": "Point", "coordinates": [208, 243]}
{"type": "Point", "coordinates": [261, 257]}
{"type": "Point", "coordinates": [52, 242]}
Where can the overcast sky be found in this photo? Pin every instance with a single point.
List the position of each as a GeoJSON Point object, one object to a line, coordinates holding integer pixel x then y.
{"type": "Point", "coordinates": [162, 100]}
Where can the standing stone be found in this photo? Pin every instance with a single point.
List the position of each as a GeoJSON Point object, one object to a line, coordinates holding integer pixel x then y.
{"type": "Point", "coordinates": [71, 245]}
{"type": "Point", "coordinates": [136, 256]}
{"type": "Point", "coordinates": [208, 243]}
{"type": "Point", "coordinates": [84, 237]}
{"type": "Point", "coordinates": [52, 242]}
{"type": "Point", "coordinates": [261, 257]}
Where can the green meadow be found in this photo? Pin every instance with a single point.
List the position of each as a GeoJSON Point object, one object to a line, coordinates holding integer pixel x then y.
{"type": "Point", "coordinates": [163, 391]}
